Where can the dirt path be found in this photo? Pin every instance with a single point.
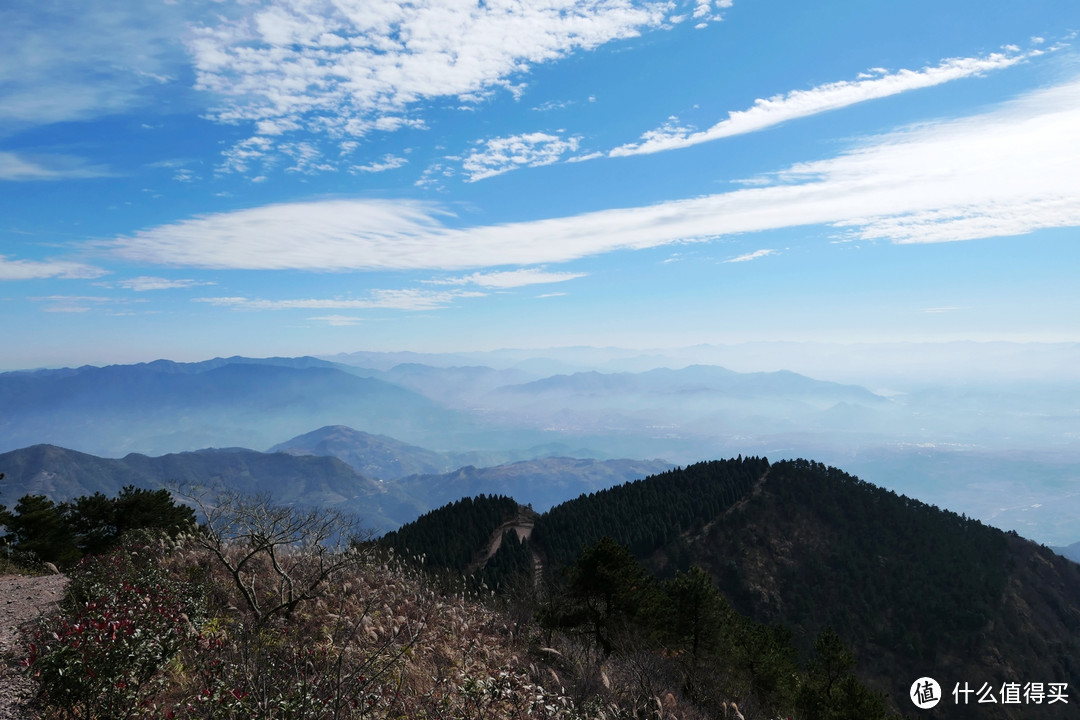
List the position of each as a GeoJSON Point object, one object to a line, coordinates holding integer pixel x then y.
{"type": "Point", "coordinates": [22, 599]}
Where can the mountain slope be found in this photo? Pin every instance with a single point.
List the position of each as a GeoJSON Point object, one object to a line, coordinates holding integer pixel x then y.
{"type": "Point", "coordinates": [912, 589]}
{"type": "Point", "coordinates": [63, 474]}
{"type": "Point", "coordinates": [375, 456]}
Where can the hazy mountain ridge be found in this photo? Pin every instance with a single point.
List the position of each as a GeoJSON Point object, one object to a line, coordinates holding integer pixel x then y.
{"type": "Point", "coordinates": [514, 409]}
{"type": "Point", "coordinates": [63, 474]}
{"type": "Point", "coordinates": [310, 479]}
{"type": "Point", "coordinates": [164, 406]}
{"type": "Point", "coordinates": [377, 456]}
{"type": "Point", "coordinates": [385, 458]}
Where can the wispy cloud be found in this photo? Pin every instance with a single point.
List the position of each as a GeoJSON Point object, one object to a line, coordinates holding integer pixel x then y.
{"type": "Point", "coordinates": [338, 320]}
{"type": "Point", "coordinates": [873, 84]}
{"type": "Point", "coordinates": [407, 299]}
{"type": "Point", "coordinates": [349, 69]}
{"type": "Point", "coordinates": [22, 167]}
{"type": "Point", "coordinates": [388, 162]}
{"type": "Point", "coordinates": [77, 303]}
{"type": "Point", "coordinates": [751, 256]}
{"type": "Point", "coordinates": [1005, 172]}
{"type": "Point", "coordinates": [499, 155]}
{"type": "Point", "coordinates": [146, 283]}
{"type": "Point", "coordinates": [39, 269]}
{"type": "Point", "coordinates": [511, 278]}
{"type": "Point", "coordinates": [76, 61]}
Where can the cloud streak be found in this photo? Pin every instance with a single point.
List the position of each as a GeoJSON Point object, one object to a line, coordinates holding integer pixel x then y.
{"type": "Point", "coordinates": [751, 256]}
{"type": "Point", "coordinates": [21, 168]}
{"type": "Point", "coordinates": [1006, 172]}
{"type": "Point", "coordinates": [511, 278]}
{"type": "Point", "coordinates": [40, 269]}
{"type": "Point", "coordinates": [407, 299]}
{"type": "Point", "coordinates": [765, 113]}
{"type": "Point", "coordinates": [147, 283]}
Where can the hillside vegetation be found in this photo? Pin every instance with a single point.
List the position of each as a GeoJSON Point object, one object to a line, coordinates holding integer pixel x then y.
{"type": "Point", "coordinates": [909, 588]}
{"type": "Point", "coordinates": [272, 612]}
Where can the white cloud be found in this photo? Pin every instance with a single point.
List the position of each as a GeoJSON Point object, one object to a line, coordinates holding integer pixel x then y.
{"type": "Point", "coordinates": [241, 156]}
{"type": "Point", "coordinates": [145, 283]}
{"type": "Point", "coordinates": [40, 269]}
{"type": "Point", "coordinates": [751, 256]}
{"type": "Point", "coordinates": [388, 162]}
{"type": "Point", "coordinates": [352, 67]}
{"type": "Point", "coordinates": [408, 299]}
{"type": "Point", "coordinates": [500, 155]}
{"type": "Point", "coordinates": [338, 320]}
{"type": "Point", "coordinates": [1006, 172]}
{"type": "Point", "coordinates": [307, 159]}
{"type": "Point", "coordinates": [276, 63]}
{"type": "Point", "coordinates": [873, 84]}
{"type": "Point", "coordinates": [21, 167]}
{"type": "Point", "coordinates": [511, 278]}
{"type": "Point", "coordinates": [704, 11]}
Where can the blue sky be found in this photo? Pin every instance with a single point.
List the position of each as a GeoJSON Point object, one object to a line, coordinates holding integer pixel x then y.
{"type": "Point", "coordinates": [269, 177]}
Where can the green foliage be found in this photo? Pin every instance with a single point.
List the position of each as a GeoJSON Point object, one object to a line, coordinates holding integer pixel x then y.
{"type": "Point", "coordinates": [697, 616]}
{"type": "Point", "coordinates": [511, 565]}
{"type": "Point", "coordinates": [40, 527]}
{"type": "Point", "coordinates": [607, 594]}
{"type": "Point", "coordinates": [646, 514]}
{"type": "Point", "coordinates": [894, 571]}
{"type": "Point", "coordinates": [449, 537]}
{"type": "Point", "coordinates": [99, 521]}
{"type": "Point", "coordinates": [830, 690]}
{"type": "Point", "coordinates": [123, 619]}
{"type": "Point", "coordinates": [91, 524]}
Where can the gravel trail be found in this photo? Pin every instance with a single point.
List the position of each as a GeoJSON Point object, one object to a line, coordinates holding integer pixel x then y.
{"type": "Point", "coordinates": [22, 599]}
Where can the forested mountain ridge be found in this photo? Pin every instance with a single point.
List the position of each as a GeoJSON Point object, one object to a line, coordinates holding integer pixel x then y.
{"type": "Point", "coordinates": [912, 589]}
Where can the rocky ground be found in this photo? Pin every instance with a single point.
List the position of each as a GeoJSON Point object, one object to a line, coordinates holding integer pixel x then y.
{"type": "Point", "coordinates": [22, 598]}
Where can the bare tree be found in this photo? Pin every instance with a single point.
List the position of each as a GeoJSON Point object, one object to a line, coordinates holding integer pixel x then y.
{"type": "Point", "coordinates": [278, 556]}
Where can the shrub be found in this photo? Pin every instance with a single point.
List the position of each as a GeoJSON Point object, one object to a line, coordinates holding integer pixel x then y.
{"type": "Point", "coordinates": [124, 617]}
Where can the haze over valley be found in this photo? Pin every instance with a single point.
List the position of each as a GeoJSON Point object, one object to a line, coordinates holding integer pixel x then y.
{"type": "Point", "coordinates": [1001, 449]}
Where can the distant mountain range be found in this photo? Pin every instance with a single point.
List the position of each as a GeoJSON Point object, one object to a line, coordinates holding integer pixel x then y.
{"type": "Point", "coordinates": [163, 406]}
{"type": "Point", "coordinates": [384, 458]}
{"type": "Point", "coordinates": [166, 407]}
{"type": "Point", "coordinates": [1007, 453]}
